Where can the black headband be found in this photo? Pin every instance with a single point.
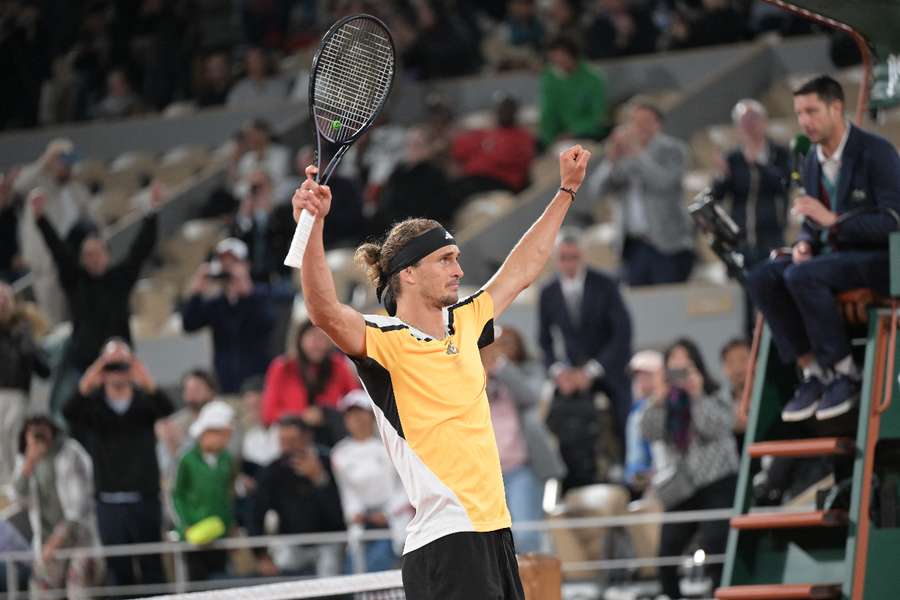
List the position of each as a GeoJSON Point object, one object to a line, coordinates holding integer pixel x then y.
{"type": "Point", "coordinates": [415, 250]}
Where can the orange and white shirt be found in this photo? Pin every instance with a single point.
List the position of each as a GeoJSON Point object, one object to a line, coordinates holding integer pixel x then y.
{"type": "Point", "coordinates": [432, 411]}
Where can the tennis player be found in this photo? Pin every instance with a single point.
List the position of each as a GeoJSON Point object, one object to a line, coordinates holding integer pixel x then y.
{"type": "Point", "coordinates": [422, 368]}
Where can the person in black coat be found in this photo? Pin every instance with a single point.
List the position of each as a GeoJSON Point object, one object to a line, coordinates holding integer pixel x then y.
{"type": "Point", "coordinates": [300, 489]}
{"type": "Point", "coordinates": [112, 415]}
{"type": "Point", "coordinates": [97, 291]}
{"type": "Point", "coordinates": [851, 207]}
{"type": "Point", "coordinates": [585, 336]}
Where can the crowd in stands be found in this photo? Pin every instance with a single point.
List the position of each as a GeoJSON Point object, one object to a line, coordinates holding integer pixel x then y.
{"type": "Point", "coordinates": [101, 59]}
{"type": "Point", "coordinates": [262, 442]}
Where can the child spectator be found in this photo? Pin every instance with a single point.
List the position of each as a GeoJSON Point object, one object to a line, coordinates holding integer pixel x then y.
{"type": "Point", "coordinates": [204, 484]}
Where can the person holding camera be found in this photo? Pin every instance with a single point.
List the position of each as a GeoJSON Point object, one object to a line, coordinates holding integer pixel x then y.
{"type": "Point", "coordinates": [54, 481]}
{"type": "Point", "coordinates": [97, 290]}
{"type": "Point", "coordinates": [113, 415]}
{"type": "Point", "coordinates": [224, 298]}
{"type": "Point", "coordinates": [698, 470]}
{"type": "Point", "coordinates": [300, 489]}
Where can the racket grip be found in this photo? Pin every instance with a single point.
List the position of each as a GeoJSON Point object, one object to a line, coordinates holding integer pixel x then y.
{"type": "Point", "coordinates": [294, 256]}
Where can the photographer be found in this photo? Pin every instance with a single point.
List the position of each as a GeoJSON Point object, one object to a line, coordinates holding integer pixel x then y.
{"type": "Point", "coordinates": [300, 489]}
{"type": "Point", "coordinates": [54, 481]}
{"type": "Point", "coordinates": [224, 298]}
{"type": "Point", "coordinates": [700, 461]}
{"type": "Point", "coordinates": [113, 415]}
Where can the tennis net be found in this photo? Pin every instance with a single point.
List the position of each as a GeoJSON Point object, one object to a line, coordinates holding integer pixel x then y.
{"type": "Point", "coordinates": [385, 585]}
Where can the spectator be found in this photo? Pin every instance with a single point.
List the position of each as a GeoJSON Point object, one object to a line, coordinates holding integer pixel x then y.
{"type": "Point", "coordinates": [695, 425]}
{"type": "Point", "coordinates": [348, 226]}
{"type": "Point", "coordinates": [20, 357]}
{"type": "Point", "coordinates": [259, 447]}
{"type": "Point", "coordinates": [621, 28]}
{"type": "Point", "coordinates": [646, 377]}
{"type": "Point", "coordinates": [266, 230]}
{"type": "Point", "coordinates": [572, 96]}
{"type": "Point", "coordinates": [262, 153]}
{"type": "Point", "coordinates": [716, 22]}
{"type": "Point", "coordinates": [308, 383]}
{"type": "Point", "coordinates": [415, 178]}
{"type": "Point", "coordinates": [97, 292]}
{"type": "Point", "coordinates": [299, 488]}
{"type": "Point", "coordinates": [198, 388]}
{"type": "Point", "coordinates": [120, 100]}
{"type": "Point", "coordinates": [516, 42]}
{"type": "Point", "coordinates": [67, 201]}
{"type": "Point", "coordinates": [735, 356]}
{"type": "Point", "coordinates": [224, 298]}
{"type": "Point", "coordinates": [498, 158]}
{"type": "Point", "coordinates": [204, 486]}
{"type": "Point", "coordinates": [852, 179]}
{"type": "Point", "coordinates": [11, 540]}
{"type": "Point", "coordinates": [113, 414]}
{"type": "Point", "coordinates": [565, 17]}
{"type": "Point", "coordinates": [257, 86]}
{"type": "Point", "coordinates": [585, 336]}
{"type": "Point", "coordinates": [754, 185]}
{"type": "Point", "coordinates": [645, 168]}
{"type": "Point", "coordinates": [54, 481]}
{"type": "Point", "coordinates": [527, 455]}
{"type": "Point", "coordinates": [259, 443]}
{"type": "Point", "coordinates": [371, 493]}
{"type": "Point", "coordinates": [11, 264]}
{"type": "Point", "coordinates": [216, 81]}
{"type": "Point", "coordinates": [444, 42]}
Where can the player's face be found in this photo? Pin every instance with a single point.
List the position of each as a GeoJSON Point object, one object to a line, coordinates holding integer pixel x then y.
{"type": "Point", "coordinates": [818, 119]}
{"type": "Point", "coordinates": [438, 276]}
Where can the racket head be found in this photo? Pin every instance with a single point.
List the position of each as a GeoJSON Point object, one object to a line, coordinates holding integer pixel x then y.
{"type": "Point", "coordinates": [351, 78]}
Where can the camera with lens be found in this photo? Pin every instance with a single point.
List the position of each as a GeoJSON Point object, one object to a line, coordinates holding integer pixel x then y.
{"type": "Point", "coordinates": [218, 272]}
{"type": "Point", "coordinates": [117, 367]}
{"type": "Point", "coordinates": [723, 233]}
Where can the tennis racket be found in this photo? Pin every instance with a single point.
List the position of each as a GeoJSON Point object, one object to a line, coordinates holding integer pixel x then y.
{"type": "Point", "coordinates": [352, 74]}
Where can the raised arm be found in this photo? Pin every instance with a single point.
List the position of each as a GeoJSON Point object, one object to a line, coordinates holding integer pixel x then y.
{"type": "Point", "coordinates": [527, 259]}
{"type": "Point", "coordinates": [341, 323]}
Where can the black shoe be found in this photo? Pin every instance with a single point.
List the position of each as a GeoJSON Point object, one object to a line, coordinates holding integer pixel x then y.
{"type": "Point", "coordinates": [840, 396]}
{"type": "Point", "coordinates": [805, 401]}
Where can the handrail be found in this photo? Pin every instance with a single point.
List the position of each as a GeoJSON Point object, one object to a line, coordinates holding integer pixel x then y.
{"type": "Point", "coordinates": [886, 400]}
{"type": "Point", "coordinates": [744, 407]}
{"type": "Point", "coordinates": [338, 537]}
{"type": "Point", "coordinates": [11, 558]}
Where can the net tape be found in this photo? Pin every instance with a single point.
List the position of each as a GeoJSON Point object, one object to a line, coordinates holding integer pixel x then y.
{"type": "Point", "coordinates": [384, 585]}
{"type": "Point", "coordinates": [353, 76]}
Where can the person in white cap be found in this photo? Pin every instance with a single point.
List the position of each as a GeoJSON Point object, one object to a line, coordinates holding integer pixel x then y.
{"type": "Point", "coordinates": [204, 484]}
{"type": "Point", "coordinates": [646, 369]}
{"type": "Point", "coordinates": [222, 296]}
{"type": "Point", "coordinates": [371, 493]}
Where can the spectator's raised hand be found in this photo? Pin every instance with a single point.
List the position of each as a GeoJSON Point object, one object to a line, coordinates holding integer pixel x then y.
{"type": "Point", "coordinates": [141, 377]}
{"type": "Point", "coordinates": [158, 195]}
{"type": "Point", "coordinates": [308, 464]}
{"type": "Point", "coordinates": [38, 201]}
{"type": "Point", "coordinates": [200, 280]}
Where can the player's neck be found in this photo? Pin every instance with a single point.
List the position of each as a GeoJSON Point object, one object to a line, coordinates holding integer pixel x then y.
{"type": "Point", "coordinates": [427, 319]}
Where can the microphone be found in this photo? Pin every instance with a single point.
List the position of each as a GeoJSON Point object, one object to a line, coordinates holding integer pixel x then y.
{"type": "Point", "coordinates": [799, 147]}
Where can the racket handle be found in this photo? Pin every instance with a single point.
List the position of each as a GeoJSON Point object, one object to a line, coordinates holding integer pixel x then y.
{"type": "Point", "coordinates": [294, 256]}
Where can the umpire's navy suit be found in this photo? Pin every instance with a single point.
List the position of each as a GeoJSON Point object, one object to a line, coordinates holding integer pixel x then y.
{"type": "Point", "coordinates": [798, 300]}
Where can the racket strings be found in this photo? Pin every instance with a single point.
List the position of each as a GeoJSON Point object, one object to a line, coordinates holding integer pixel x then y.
{"type": "Point", "coordinates": [355, 71]}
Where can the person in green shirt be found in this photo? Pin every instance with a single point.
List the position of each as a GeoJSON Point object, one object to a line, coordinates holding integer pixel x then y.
{"type": "Point", "coordinates": [572, 95]}
{"type": "Point", "coordinates": [203, 487]}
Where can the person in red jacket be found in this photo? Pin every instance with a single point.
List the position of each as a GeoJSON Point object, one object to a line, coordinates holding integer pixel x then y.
{"type": "Point", "coordinates": [309, 383]}
{"type": "Point", "coordinates": [495, 158]}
